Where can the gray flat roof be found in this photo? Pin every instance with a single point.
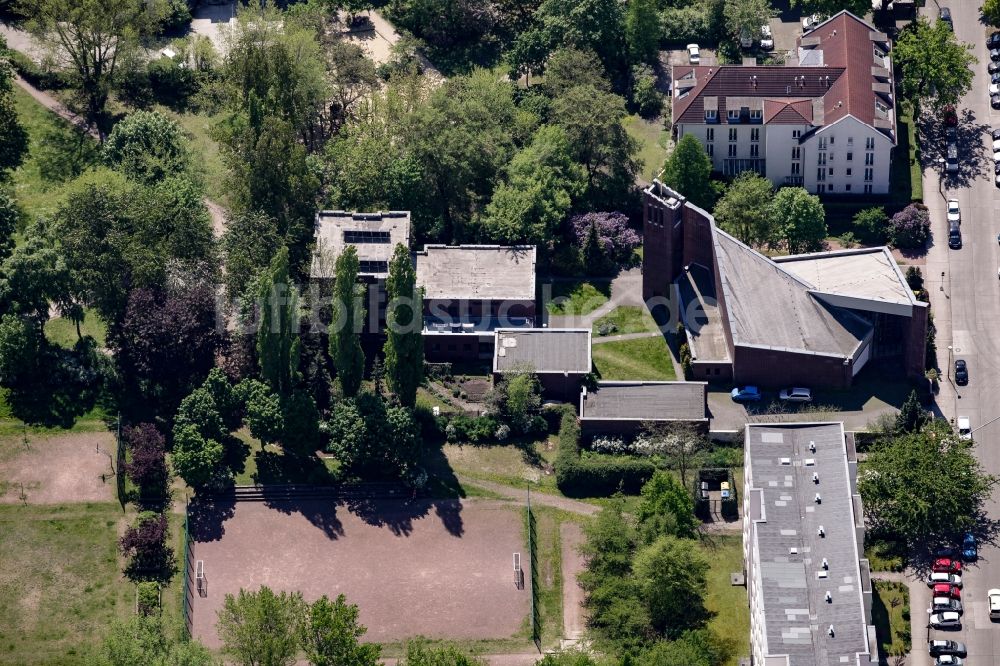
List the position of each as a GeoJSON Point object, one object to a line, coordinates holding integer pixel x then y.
{"type": "Point", "coordinates": [547, 350]}
{"type": "Point", "coordinates": [477, 272]}
{"type": "Point", "coordinates": [645, 401]}
{"type": "Point", "coordinates": [769, 306]}
{"type": "Point", "coordinates": [375, 236]}
{"type": "Point", "coordinates": [789, 551]}
{"type": "Point", "coordinates": [869, 273]}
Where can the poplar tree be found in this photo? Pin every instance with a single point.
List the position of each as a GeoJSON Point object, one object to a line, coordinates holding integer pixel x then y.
{"type": "Point", "coordinates": [345, 344]}
{"type": "Point", "coordinates": [404, 346]}
{"type": "Point", "coordinates": [278, 343]}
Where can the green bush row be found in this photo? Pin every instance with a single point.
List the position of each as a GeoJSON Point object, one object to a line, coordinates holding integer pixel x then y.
{"type": "Point", "coordinates": [37, 75]}
{"type": "Point", "coordinates": [595, 477]}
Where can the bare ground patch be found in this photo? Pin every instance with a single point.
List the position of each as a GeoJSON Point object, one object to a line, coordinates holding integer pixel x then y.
{"type": "Point", "coordinates": [57, 469]}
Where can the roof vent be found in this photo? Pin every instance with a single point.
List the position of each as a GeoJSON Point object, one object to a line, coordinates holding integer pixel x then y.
{"type": "Point", "coordinates": [821, 532]}
{"type": "Point", "coordinates": [815, 477]}
{"type": "Point", "coordinates": [819, 500]}
{"type": "Point", "coordinates": [793, 551]}
{"type": "Point", "coordinates": [785, 461]}
{"type": "Point", "coordinates": [829, 597]}
{"type": "Point", "coordinates": [812, 446]}
{"type": "Point", "coordinates": [826, 565]}
{"type": "Point", "coordinates": [821, 574]}
{"type": "Point", "coordinates": [810, 462]}
{"type": "Point", "coordinates": [830, 631]}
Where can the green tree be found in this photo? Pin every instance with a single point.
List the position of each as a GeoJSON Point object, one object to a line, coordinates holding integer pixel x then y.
{"type": "Point", "coordinates": [912, 415]}
{"type": "Point", "coordinates": [666, 508]}
{"type": "Point", "coordinates": [9, 215]}
{"type": "Point", "coordinates": [744, 18]}
{"type": "Point", "coordinates": [611, 543]}
{"type": "Point", "coordinates": [570, 67]}
{"type": "Point", "coordinates": [671, 573]}
{"type": "Point", "coordinates": [872, 224]}
{"type": "Point", "coordinates": [13, 136]}
{"type": "Point", "coordinates": [642, 31]}
{"type": "Point", "coordinates": [681, 445]}
{"type": "Point", "coordinates": [147, 146]}
{"type": "Point", "coordinates": [95, 36]}
{"type": "Point", "coordinates": [143, 641]}
{"type": "Point", "coordinates": [195, 459]}
{"type": "Point", "coordinates": [330, 635]}
{"type": "Point", "coordinates": [543, 181]}
{"type": "Point", "coordinates": [991, 12]}
{"type": "Point", "coordinates": [261, 628]}
{"type": "Point", "coordinates": [249, 244]}
{"type": "Point", "coordinates": [800, 219]}
{"type": "Point", "coordinates": [345, 344]}
{"type": "Point", "coordinates": [262, 408]}
{"type": "Point", "coordinates": [404, 345]}
{"type": "Point", "coordinates": [420, 653]}
{"type": "Point", "coordinates": [200, 411]}
{"type": "Point", "coordinates": [831, 7]}
{"type": "Point", "coordinates": [937, 69]}
{"type": "Point", "coordinates": [687, 171]}
{"type": "Point", "coordinates": [301, 423]}
{"type": "Point", "coordinates": [699, 647]}
{"type": "Point", "coordinates": [278, 344]}
{"type": "Point", "coordinates": [745, 210]}
{"type": "Point", "coordinates": [588, 25]}
{"type": "Point", "coordinates": [920, 487]}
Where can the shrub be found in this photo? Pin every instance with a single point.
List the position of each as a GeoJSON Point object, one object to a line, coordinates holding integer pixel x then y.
{"type": "Point", "coordinates": [594, 476]}
{"type": "Point", "coordinates": [605, 327]}
{"type": "Point", "coordinates": [617, 239]}
{"type": "Point", "coordinates": [145, 544]}
{"type": "Point", "coordinates": [910, 228]}
{"type": "Point", "coordinates": [647, 99]}
{"type": "Point", "coordinates": [40, 76]}
{"type": "Point", "coordinates": [147, 600]}
{"type": "Point", "coordinates": [147, 467]}
{"type": "Point", "coordinates": [871, 224]}
{"type": "Point", "coordinates": [472, 430]}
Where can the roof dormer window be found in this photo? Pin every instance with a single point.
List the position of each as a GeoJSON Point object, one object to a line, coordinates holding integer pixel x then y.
{"type": "Point", "coordinates": [733, 115]}
{"type": "Point", "coordinates": [711, 115]}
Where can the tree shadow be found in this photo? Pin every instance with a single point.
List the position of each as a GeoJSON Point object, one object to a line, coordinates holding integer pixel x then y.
{"type": "Point", "coordinates": [207, 515]}
{"type": "Point", "coordinates": [974, 160]}
{"type": "Point", "coordinates": [922, 554]}
{"type": "Point", "coordinates": [322, 513]}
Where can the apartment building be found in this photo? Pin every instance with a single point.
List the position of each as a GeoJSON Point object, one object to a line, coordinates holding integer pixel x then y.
{"type": "Point", "coordinates": [824, 121]}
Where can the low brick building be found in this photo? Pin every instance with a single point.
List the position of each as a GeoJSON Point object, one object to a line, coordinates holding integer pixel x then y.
{"type": "Point", "coordinates": [813, 320]}
{"type": "Point", "coordinates": [559, 357]}
{"type": "Point", "coordinates": [622, 408]}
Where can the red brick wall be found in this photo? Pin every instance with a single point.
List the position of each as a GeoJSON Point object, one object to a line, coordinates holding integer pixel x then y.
{"type": "Point", "coordinates": [780, 369]}
{"type": "Point", "coordinates": [915, 344]}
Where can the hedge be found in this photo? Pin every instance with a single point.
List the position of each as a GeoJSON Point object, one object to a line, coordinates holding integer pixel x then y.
{"type": "Point", "coordinates": [38, 76]}
{"type": "Point", "coordinates": [580, 477]}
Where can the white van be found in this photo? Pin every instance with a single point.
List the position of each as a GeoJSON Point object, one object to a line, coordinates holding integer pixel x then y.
{"type": "Point", "coordinates": [964, 427]}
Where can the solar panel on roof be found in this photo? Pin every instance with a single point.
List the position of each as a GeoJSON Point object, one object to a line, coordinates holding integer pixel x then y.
{"type": "Point", "coordinates": [362, 236]}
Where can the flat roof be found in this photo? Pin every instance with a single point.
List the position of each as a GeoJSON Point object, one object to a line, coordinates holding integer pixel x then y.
{"type": "Point", "coordinates": [477, 272]}
{"type": "Point", "coordinates": [869, 273]}
{"type": "Point", "coordinates": [547, 350]}
{"type": "Point", "coordinates": [375, 235]}
{"type": "Point", "coordinates": [645, 401]}
{"type": "Point", "coordinates": [789, 552]}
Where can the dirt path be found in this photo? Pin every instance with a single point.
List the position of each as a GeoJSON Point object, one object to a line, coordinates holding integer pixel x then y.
{"type": "Point", "coordinates": [543, 499]}
{"type": "Point", "coordinates": [574, 622]}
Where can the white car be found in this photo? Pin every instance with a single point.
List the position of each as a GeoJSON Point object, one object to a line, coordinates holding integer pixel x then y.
{"type": "Point", "coordinates": [994, 89]}
{"type": "Point", "coordinates": [945, 620]}
{"type": "Point", "coordinates": [996, 155]}
{"type": "Point", "coordinates": [766, 40]}
{"type": "Point", "coordinates": [964, 428]}
{"type": "Point", "coordinates": [954, 213]}
{"type": "Point", "coordinates": [994, 597]}
{"type": "Point", "coordinates": [996, 145]}
{"type": "Point", "coordinates": [949, 660]}
{"type": "Point", "coordinates": [947, 578]}
{"type": "Point", "coordinates": [795, 394]}
{"type": "Point", "coordinates": [809, 22]}
{"type": "Point", "coordinates": [694, 55]}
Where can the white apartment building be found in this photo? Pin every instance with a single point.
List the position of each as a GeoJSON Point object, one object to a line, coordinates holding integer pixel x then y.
{"type": "Point", "coordinates": [824, 121]}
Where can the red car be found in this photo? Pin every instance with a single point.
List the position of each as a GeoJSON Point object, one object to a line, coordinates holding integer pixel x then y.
{"type": "Point", "coordinates": [945, 590]}
{"type": "Point", "coordinates": [947, 565]}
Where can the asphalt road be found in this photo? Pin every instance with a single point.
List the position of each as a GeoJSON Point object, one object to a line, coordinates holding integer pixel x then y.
{"type": "Point", "coordinates": [966, 305]}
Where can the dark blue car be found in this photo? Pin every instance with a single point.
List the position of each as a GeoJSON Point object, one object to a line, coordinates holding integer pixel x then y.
{"type": "Point", "coordinates": [745, 394]}
{"type": "Point", "coordinates": [969, 550]}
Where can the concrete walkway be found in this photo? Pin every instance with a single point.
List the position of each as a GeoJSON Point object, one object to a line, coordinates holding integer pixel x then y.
{"type": "Point", "coordinates": [626, 289]}
{"type": "Point", "coordinates": [541, 499]}
{"type": "Point", "coordinates": [626, 336]}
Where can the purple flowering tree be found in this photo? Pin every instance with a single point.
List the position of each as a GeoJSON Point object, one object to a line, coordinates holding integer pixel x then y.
{"type": "Point", "coordinates": [910, 228]}
{"type": "Point", "coordinates": [618, 240]}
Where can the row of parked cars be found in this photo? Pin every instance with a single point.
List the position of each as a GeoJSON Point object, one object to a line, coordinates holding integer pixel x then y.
{"type": "Point", "coordinates": [753, 394]}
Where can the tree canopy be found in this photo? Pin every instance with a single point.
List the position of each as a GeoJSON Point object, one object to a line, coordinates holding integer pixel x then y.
{"type": "Point", "coordinates": [745, 210]}
{"type": "Point", "coordinates": [937, 68]}
{"type": "Point", "coordinates": [404, 345]}
{"type": "Point", "coordinates": [687, 170]}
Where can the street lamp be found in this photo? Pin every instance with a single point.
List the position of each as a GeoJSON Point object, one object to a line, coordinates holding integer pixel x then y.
{"type": "Point", "coordinates": [949, 363]}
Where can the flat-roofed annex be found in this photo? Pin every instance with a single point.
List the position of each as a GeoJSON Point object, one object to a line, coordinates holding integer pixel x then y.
{"type": "Point", "coordinates": [477, 272]}
{"type": "Point", "coordinates": [545, 350]}
{"type": "Point", "coordinates": [374, 235]}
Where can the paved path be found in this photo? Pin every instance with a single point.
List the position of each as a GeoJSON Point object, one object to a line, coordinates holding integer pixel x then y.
{"type": "Point", "coordinates": [543, 499]}
{"type": "Point", "coordinates": [626, 289]}
{"type": "Point", "coordinates": [626, 336]}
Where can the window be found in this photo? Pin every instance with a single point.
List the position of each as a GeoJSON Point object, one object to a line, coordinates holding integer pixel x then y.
{"type": "Point", "coordinates": [850, 141]}
{"type": "Point", "coordinates": [796, 153]}
{"type": "Point", "coordinates": [368, 266]}
{"type": "Point", "coordinates": [870, 143]}
{"type": "Point", "coordinates": [831, 140]}
{"type": "Point", "coordinates": [869, 173]}
{"type": "Point", "coordinates": [847, 188]}
{"type": "Point", "coordinates": [822, 143]}
{"type": "Point", "coordinates": [711, 115]}
{"type": "Point", "coordinates": [710, 149]}
{"type": "Point", "coordinates": [820, 174]}
{"type": "Point", "coordinates": [821, 188]}
{"type": "Point", "coordinates": [881, 108]}
{"type": "Point", "coordinates": [831, 171]}
{"type": "Point", "coordinates": [358, 237]}
{"type": "Point", "coordinates": [869, 159]}
{"type": "Point", "coordinates": [756, 114]}
{"type": "Point", "coordinates": [732, 133]}
{"type": "Point", "coordinates": [755, 134]}
{"type": "Point", "coordinates": [849, 171]}
{"type": "Point", "coordinates": [868, 189]}
{"type": "Point", "coordinates": [796, 166]}
{"type": "Point", "coordinates": [710, 134]}
{"type": "Point", "coordinates": [796, 134]}
{"type": "Point", "coordinates": [832, 156]}
{"type": "Point", "coordinates": [732, 150]}
{"type": "Point", "coordinates": [822, 159]}
{"type": "Point", "coordinates": [850, 156]}
{"type": "Point", "coordinates": [754, 150]}
{"type": "Point", "coordinates": [733, 115]}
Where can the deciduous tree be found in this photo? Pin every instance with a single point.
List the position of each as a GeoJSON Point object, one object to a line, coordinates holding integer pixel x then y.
{"type": "Point", "coordinates": [642, 31]}
{"type": "Point", "coordinates": [345, 344]}
{"type": "Point", "coordinates": [330, 635]}
{"type": "Point", "coordinates": [278, 344]}
{"type": "Point", "coordinates": [670, 574]}
{"type": "Point", "coordinates": [744, 18]}
{"type": "Point", "coordinates": [147, 465]}
{"type": "Point", "coordinates": [13, 136]}
{"type": "Point", "coordinates": [249, 244]}
{"type": "Point", "coordinates": [799, 218]}
{"type": "Point", "coordinates": [682, 446]}
{"type": "Point", "coordinates": [937, 68]}
{"type": "Point", "coordinates": [666, 508]}
{"type": "Point", "coordinates": [147, 146]}
{"type": "Point", "coordinates": [404, 345]}
{"type": "Point", "coordinates": [744, 210]}
{"type": "Point", "coordinates": [261, 628]}
{"type": "Point", "coordinates": [687, 170]}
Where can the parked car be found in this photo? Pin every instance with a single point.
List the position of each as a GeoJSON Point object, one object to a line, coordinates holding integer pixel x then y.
{"type": "Point", "coordinates": [961, 372]}
{"type": "Point", "coordinates": [941, 577]}
{"type": "Point", "coordinates": [996, 179]}
{"type": "Point", "coordinates": [993, 41]}
{"type": "Point", "coordinates": [996, 130]}
{"type": "Point", "coordinates": [994, 597]}
{"type": "Point", "coordinates": [810, 22]}
{"type": "Point", "coordinates": [995, 101]}
{"type": "Point", "coordinates": [946, 565]}
{"type": "Point", "coordinates": [970, 551]}
{"type": "Point", "coordinates": [745, 394]}
{"type": "Point", "coordinates": [994, 54]}
{"type": "Point", "coordinates": [949, 660]}
{"type": "Point", "coordinates": [993, 67]}
{"type": "Point", "coordinates": [694, 55]}
{"type": "Point", "coordinates": [944, 14]}
{"type": "Point", "coordinates": [946, 620]}
{"type": "Point", "coordinates": [964, 428]}
{"type": "Point", "coordinates": [994, 77]}
{"type": "Point", "coordinates": [954, 236]}
{"type": "Point", "coordinates": [954, 212]}
{"type": "Point", "coordinates": [938, 648]}
{"type": "Point", "coordinates": [946, 604]}
{"type": "Point", "coordinates": [949, 115]}
{"type": "Point", "coordinates": [994, 89]}
{"type": "Point", "coordinates": [946, 590]}
{"type": "Point", "coordinates": [766, 39]}
{"type": "Point", "coordinates": [951, 133]}
{"type": "Point", "coordinates": [795, 394]}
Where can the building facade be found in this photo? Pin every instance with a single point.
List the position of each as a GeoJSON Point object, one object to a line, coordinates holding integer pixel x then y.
{"type": "Point", "coordinates": [824, 121]}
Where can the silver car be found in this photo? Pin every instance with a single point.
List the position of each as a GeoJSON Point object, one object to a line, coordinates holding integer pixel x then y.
{"type": "Point", "coordinates": [795, 394]}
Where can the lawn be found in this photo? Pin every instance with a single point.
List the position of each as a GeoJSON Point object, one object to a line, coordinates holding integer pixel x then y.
{"type": "Point", "coordinates": [625, 319]}
{"type": "Point", "coordinates": [206, 151]}
{"type": "Point", "coordinates": [728, 603]}
{"type": "Point", "coordinates": [60, 584]}
{"type": "Point", "coordinates": [252, 465]}
{"type": "Point", "coordinates": [62, 331]}
{"type": "Point", "coordinates": [641, 359]}
{"type": "Point", "coordinates": [652, 140]}
{"type": "Point", "coordinates": [905, 175]}
{"type": "Point", "coordinates": [54, 146]}
{"type": "Point", "coordinates": [575, 298]}
{"type": "Point", "coordinates": [891, 617]}
{"type": "Point", "coordinates": [512, 464]}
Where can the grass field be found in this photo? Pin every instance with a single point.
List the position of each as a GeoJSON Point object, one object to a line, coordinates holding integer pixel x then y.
{"type": "Point", "coordinates": [512, 465]}
{"type": "Point", "coordinates": [62, 331]}
{"type": "Point", "coordinates": [652, 140]}
{"type": "Point", "coordinates": [627, 319]}
{"type": "Point", "coordinates": [640, 359]}
{"type": "Point", "coordinates": [905, 176]}
{"type": "Point", "coordinates": [60, 583]}
{"type": "Point", "coordinates": [727, 602]}
{"type": "Point", "coordinates": [892, 624]}
{"type": "Point", "coordinates": [577, 298]}
{"type": "Point", "coordinates": [206, 151]}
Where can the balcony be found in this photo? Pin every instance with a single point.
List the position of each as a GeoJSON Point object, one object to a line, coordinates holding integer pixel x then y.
{"type": "Point", "coordinates": [794, 181]}
{"type": "Point", "coordinates": [733, 166]}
